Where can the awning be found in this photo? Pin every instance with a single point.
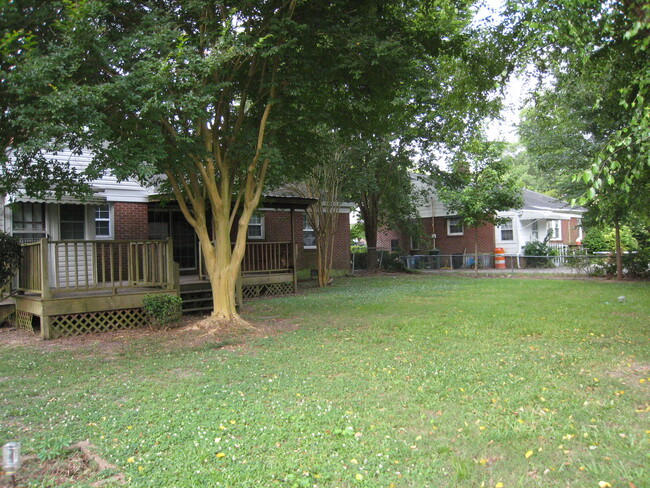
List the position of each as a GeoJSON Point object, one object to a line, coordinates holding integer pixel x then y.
{"type": "Point", "coordinates": [546, 215]}
{"type": "Point", "coordinates": [21, 197]}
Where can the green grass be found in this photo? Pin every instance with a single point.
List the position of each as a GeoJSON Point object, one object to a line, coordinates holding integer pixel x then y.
{"type": "Point", "coordinates": [409, 381]}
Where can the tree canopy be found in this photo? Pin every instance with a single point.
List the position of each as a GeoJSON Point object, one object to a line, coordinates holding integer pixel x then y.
{"type": "Point", "coordinates": [218, 97]}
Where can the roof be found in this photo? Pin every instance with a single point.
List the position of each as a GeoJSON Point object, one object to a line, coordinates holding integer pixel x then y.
{"type": "Point", "coordinates": [538, 206]}
{"type": "Point", "coordinates": [539, 201]}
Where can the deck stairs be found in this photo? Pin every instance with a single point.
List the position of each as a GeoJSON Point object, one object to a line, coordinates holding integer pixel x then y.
{"type": "Point", "coordinates": [197, 297]}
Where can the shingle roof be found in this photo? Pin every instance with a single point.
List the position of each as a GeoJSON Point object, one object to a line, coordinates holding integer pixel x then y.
{"type": "Point", "coordinates": [538, 201]}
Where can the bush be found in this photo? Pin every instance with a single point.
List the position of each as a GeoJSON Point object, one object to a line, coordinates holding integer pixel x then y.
{"type": "Point", "coordinates": [163, 310]}
{"type": "Point", "coordinates": [599, 239]}
{"type": "Point", "coordinates": [539, 250]}
{"type": "Point", "coordinates": [10, 255]}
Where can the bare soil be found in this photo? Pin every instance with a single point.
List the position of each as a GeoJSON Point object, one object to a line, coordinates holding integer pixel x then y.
{"type": "Point", "coordinates": [189, 333]}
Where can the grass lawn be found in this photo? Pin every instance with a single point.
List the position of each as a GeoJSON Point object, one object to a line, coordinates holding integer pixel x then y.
{"type": "Point", "coordinates": [408, 381]}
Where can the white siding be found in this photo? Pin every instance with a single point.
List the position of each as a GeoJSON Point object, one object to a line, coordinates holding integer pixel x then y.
{"type": "Point", "coordinates": [108, 186]}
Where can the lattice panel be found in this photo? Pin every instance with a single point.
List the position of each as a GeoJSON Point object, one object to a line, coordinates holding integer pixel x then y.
{"type": "Point", "coordinates": [22, 320]}
{"type": "Point", "coordinates": [87, 323]}
{"type": "Point", "coordinates": [254, 291]}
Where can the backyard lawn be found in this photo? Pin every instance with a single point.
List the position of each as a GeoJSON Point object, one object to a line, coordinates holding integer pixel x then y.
{"type": "Point", "coordinates": [406, 381]}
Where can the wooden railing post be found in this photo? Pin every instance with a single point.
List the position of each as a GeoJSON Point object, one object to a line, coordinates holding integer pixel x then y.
{"type": "Point", "coordinates": [171, 278]}
{"type": "Point", "coordinates": [45, 274]}
{"type": "Point", "coordinates": [294, 259]}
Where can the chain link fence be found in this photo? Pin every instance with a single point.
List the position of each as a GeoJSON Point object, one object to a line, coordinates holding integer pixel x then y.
{"type": "Point", "coordinates": [567, 262]}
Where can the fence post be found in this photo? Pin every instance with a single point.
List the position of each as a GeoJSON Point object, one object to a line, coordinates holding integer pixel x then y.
{"type": "Point", "coordinates": [45, 275]}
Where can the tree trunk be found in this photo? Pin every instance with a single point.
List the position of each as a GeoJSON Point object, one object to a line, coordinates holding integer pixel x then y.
{"type": "Point", "coordinates": [619, 257]}
{"type": "Point", "coordinates": [369, 214]}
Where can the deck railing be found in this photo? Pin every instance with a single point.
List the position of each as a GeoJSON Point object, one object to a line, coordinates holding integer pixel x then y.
{"type": "Point", "coordinates": [68, 266]}
{"type": "Point", "coordinates": [262, 258]}
{"type": "Point", "coordinates": [267, 257]}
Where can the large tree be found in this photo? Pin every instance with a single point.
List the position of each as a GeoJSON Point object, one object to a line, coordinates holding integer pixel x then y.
{"type": "Point", "coordinates": [212, 95]}
{"type": "Point", "coordinates": [589, 125]}
{"type": "Point", "coordinates": [592, 110]}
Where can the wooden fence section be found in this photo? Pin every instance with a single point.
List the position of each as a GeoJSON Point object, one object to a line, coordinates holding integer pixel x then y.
{"type": "Point", "coordinates": [73, 266]}
{"type": "Point", "coordinates": [30, 274]}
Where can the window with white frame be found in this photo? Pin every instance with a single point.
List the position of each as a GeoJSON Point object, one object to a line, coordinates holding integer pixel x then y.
{"type": "Point", "coordinates": [455, 227]}
{"type": "Point", "coordinates": [308, 233]}
{"type": "Point", "coordinates": [103, 221]}
{"type": "Point", "coordinates": [256, 227]}
{"type": "Point", "coordinates": [72, 222]}
{"type": "Point", "coordinates": [28, 221]}
{"type": "Point", "coordinates": [534, 231]}
{"type": "Point", "coordinates": [555, 230]}
{"type": "Point", "coordinates": [506, 230]}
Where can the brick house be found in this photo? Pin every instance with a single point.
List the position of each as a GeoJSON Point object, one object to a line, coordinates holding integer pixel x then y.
{"type": "Point", "coordinates": [88, 265]}
{"type": "Point", "coordinates": [539, 216]}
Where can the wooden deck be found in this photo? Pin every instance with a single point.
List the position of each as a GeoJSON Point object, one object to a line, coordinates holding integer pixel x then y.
{"type": "Point", "coordinates": [76, 287]}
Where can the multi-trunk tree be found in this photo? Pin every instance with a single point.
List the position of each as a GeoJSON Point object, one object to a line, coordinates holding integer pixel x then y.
{"type": "Point", "coordinates": [210, 98]}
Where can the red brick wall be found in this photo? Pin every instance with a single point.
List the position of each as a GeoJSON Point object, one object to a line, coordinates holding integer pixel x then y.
{"type": "Point", "coordinates": [342, 258]}
{"type": "Point", "coordinates": [465, 243]}
{"type": "Point", "coordinates": [384, 236]}
{"type": "Point", "coordinates": [130, 220]}
{"type": "Point", "coordinates": [277, 228]}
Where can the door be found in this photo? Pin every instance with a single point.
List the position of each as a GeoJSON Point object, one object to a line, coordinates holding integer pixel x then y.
{"type": "Point", "coordinates": [170, 222]}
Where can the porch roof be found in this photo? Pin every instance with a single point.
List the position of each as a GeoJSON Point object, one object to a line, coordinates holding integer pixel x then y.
{"type": "Point", "coordinates": [546, 215]}
{"type": "Point", "coordinates": [22, 197]}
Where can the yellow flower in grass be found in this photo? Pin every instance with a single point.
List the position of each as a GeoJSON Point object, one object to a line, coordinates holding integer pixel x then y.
{"type": "Point", "coordinates": [130, 460]}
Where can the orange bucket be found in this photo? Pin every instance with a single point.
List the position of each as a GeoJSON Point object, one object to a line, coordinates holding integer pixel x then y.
{"type": "Point", "coordinates": [499, 258]}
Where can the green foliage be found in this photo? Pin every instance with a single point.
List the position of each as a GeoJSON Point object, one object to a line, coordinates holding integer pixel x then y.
{"type": "Point", "coordinates": [51, 448]}
{"type": "Point", "coordinates": [10, 256]}
{"type": "Point", "coordinates": [601, 239]}
{"type": "Point", "coordinates": [591, 113]}
{"type": "Point", "coordinates": [357, 231]}
{"type": "Point", "coordinates": [163, 310]}
{"type": "Point", "coordinates": [537, 253]}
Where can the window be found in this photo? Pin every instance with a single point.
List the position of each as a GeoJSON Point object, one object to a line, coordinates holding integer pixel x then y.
{"type": "Point", "coordinates": [507, 233]}
{"type": "Point", "coordinates": [103, 221]}
{"type": "Point", "coordinates": [28, 221]}
{"type": "Point", "coordinates": [72, 222]}
{"type": "Point", "coordinates": [454, 227]}
{"type": "Point", "coordinates": [394, 245]}
{"type": "Point", "coordinates": [256, 227]}
{"type": "Point", "coordinates": [555, 230]}
{"type": "Point", "coordinates": [534, 231]}
{"type": "Point", "coordinates": [308, 234]}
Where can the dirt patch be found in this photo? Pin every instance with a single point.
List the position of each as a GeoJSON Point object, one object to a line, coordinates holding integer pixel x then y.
{"type": "Point", "coordinates": [635, 374]}
{"type": "Point", "coordinates": [185, 335]}
{"type": "Point", "coordinates": [78, 464]}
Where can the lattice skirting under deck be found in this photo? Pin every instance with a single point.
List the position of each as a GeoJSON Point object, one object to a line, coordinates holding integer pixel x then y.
{"type": "Point", "coordinates": [86, 323]}
{"type": "Point", "coordinates": [254, 291]}
{"type": "Point", "coordinates": [21, 320]}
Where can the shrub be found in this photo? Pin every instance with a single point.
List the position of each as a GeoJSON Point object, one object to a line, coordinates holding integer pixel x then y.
{"type": "Point", "coordinates": [539, 250]}
{"type": "Point", "coordinates": [163, 310]}
{"type": "Point", "coordinates": [10, 255]}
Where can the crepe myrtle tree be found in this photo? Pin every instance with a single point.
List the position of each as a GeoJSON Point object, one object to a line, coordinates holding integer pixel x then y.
{"type": "Point", "coordinates": [214, 96]}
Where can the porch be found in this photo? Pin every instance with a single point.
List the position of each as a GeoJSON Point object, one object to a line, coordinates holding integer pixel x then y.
{"type": "Point", "coordinates": [76, 287]}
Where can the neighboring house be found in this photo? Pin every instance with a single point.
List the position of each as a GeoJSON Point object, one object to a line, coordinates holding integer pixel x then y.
{"type": "Point", "coordinates": [117, 240]}
{"type": "Point", "coordinates": [539, 216]}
